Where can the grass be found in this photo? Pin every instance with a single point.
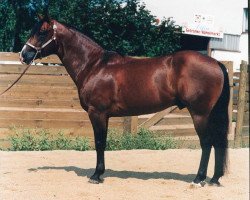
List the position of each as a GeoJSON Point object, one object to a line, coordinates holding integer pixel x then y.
{"type": "Point", "coordinates": [26, 140]}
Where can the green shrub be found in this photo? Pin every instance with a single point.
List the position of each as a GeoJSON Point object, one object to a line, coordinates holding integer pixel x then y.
{"type": "Point", "coordinates": [81, 144]}
{"type": "Point", "coordinates": [25, 143]}
{"type": "Point", "coordinates": [62, 142]}
{"type": "Point", "coordinates": [144, 139]}
{"type": "Point", "coordinates": [43, 141]}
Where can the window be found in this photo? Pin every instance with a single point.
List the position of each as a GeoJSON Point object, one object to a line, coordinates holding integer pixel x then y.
{"type": "Point", "coordinates": [245, 20]}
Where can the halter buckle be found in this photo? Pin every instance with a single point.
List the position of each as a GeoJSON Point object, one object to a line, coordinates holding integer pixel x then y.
{"type": "Point", "coordinates": [54, 26]}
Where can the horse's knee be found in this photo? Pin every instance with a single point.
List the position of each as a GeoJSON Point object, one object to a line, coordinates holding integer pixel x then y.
{"type": "Point", "coordinates": [100, 145]}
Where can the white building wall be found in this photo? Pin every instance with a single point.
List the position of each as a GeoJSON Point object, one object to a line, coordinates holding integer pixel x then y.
{"type": "Point", "coordinates": [244, 48]}
{"type": "Point", "coordinates": [228, 17]}
{"type": "Point", "coordinates": [227, 13]}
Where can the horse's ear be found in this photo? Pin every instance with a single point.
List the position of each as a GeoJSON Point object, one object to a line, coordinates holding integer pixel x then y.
{"type": "Point", "coordinates": [47, 18]}
{"type": "Point", "coordinates": [40, 16]}
{"type": "Point", "coordinates": [41, 9]}
{"type": "Point", "coordinates": [43, 17]}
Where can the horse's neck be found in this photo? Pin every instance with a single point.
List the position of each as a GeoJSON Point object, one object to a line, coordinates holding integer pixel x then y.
{"type": "Point", "coordinates": [77, 53]}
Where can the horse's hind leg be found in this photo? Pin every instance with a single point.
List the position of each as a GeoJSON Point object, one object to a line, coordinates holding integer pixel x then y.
{"type": "Point", "coordinates": [200, 123]}
{"type": "Point", "coordinates": [219, 166]}
{"type": "Point", "coordinates": [219, 127]}
{"type": "Point", "coordinates": [212, 131]}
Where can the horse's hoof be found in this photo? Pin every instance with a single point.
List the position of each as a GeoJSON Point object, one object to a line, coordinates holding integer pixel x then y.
{"type": "Point", "coordinates": [198, 185]}
{"type": "Point", "coordinates": [94, 181]}
{"type": "Point", "coordinates": [214, 183]}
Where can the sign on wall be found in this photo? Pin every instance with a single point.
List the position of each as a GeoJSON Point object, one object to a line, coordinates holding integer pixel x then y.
{"type": "Point", "coordinates": [202, 25]}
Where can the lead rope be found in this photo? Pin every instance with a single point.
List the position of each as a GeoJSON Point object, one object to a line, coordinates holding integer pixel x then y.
{"type": "Point", "coordinates": [19, 76]}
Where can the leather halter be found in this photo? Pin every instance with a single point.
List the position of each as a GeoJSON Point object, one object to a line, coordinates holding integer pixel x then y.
{"type": "Point", "coordinates": [39, 49]}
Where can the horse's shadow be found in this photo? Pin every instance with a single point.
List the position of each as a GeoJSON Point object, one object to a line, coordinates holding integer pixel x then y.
{"type": "Point", "coordinates": [122, 174]}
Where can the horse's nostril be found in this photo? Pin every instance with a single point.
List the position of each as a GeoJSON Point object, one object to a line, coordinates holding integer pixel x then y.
{"type": "Point", "coordinates": [26, 57]}
{"type": "Point", "coordinates": [23, 55]}
{"type": "Point", "coordinates": [22, 59]}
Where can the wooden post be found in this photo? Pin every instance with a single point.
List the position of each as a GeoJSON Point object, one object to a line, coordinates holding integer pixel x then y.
{"type": "Point", "coordinates": [241, 104]}
{"type": "Point", "coordinates": [130, 124]}
{"type": "Point", "coordinates": [134, 124]}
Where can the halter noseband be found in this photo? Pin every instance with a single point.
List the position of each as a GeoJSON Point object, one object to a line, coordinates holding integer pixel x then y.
{"type": "Point", "coordinates": [39, 49]}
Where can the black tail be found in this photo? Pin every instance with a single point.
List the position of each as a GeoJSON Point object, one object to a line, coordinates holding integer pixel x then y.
{"type": "Point", "coordinates": [219, 121]}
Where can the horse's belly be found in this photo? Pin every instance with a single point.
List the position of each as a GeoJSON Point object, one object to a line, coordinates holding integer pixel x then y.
{"type": "Point", "coordinates": [134, 111]}
{"type": "Point", "coordinates": [138, 103]}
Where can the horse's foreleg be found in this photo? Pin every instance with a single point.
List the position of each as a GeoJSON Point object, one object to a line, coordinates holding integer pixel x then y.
{"type": "Point", "coordinates": [100, 123]}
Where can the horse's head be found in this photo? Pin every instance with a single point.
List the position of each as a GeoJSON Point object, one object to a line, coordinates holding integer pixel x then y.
{"type": "Point", "coordinates": [41, 42]}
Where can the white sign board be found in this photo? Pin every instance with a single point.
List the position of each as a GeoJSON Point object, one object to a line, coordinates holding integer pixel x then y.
{"type": "Point", "coordinates": [202, 25]}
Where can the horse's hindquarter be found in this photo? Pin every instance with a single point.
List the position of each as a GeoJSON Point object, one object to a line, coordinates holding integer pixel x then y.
{"type": "Point", "coordinates": [200, 80]}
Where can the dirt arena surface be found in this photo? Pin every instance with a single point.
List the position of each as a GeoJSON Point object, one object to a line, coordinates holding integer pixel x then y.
{"type": "Point", "coordinates": [130, 175]}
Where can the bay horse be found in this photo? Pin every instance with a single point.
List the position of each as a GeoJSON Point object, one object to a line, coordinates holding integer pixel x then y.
{"type": "Point", "coordinates": [112, 85]}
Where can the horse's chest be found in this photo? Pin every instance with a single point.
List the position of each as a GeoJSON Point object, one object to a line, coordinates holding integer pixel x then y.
{"type": "Point", "coordinates": [98, 93]}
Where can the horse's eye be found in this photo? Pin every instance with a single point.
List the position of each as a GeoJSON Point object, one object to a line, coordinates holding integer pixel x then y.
{"type": "Point", "coordinates": [43, 32]}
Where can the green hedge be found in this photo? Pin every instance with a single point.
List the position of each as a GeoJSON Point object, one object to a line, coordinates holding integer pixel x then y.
{"type": "Point", "coordinates": [125, 26]}
{"type": "Point", "coordinates": [26, 140]}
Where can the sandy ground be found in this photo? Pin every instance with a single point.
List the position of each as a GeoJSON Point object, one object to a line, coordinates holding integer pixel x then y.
{"type": "Point", "coordinates": [130, 175]}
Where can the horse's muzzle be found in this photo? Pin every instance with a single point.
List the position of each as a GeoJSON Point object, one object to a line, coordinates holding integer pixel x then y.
{"type": "Point", "coordinates": [27, 57]}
